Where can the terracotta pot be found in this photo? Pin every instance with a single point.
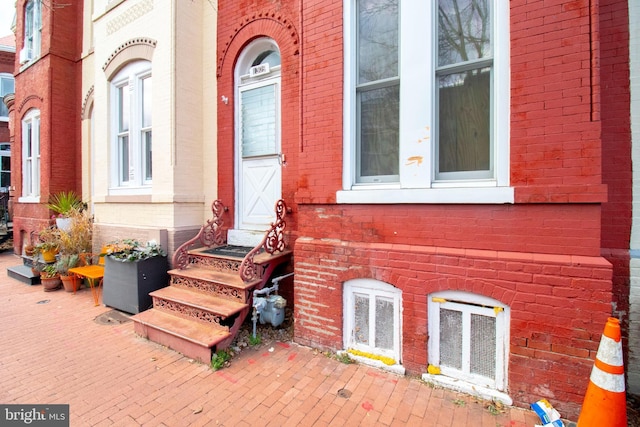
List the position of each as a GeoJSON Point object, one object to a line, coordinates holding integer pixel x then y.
{"type": "Point", "coordinates": [51, 283]}
{"type": "Point", "coordinates": [70, 283]}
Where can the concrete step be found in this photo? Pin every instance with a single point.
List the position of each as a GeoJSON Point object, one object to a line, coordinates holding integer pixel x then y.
{"type": "Point", "coordinates": [195, 339]}
{"type": "Point", "coordinates": [24, 274]}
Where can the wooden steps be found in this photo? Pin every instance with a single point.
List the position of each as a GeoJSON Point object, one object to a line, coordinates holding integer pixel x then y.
{"type": "Point", "coordinates": [192, 338]}
{"type": "Point", "coordinates": [205, 304]}
{"type": "Point", "coordinates": [210, 290]}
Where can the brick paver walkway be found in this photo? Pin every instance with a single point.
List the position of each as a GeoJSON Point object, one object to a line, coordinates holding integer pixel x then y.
{"type": "Point", "coordinates": [53, 351]}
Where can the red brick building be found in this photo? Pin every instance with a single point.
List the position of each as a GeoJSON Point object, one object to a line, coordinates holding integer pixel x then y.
{"type": "Point", "coordinates": [7, 87]}
{"type": "Point", "coordinates": [46, 111]}
{"type": "Point", "coordinates": [459, 179]}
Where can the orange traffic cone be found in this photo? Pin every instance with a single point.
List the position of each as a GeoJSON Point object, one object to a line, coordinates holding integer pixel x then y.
{"type": "Point", "coordinates": [605, 401]}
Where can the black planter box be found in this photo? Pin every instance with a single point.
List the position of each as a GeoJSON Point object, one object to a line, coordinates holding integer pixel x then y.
{"type": "Point", "coordinates": [127, 285]}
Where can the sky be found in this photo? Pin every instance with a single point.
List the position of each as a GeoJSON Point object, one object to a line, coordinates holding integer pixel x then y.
{"type": "Point", "coordinates": [7, 10]}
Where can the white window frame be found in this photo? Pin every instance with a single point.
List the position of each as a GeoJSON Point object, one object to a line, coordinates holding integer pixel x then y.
{"type": "Point", "coordinates": [468, 304]}
{"type": "Point", "coordinates": [372, 289]}
{"type": "Point", "coordinates": [33, 32]}
{"type": "Point", "coordinates": [4, 77]}
{"type": "Point", "coordinates": [418, 183]}
{"type": "Point", "coordinates": [31, 163]}
{"type": "Point", "coordinates": [130, 76]}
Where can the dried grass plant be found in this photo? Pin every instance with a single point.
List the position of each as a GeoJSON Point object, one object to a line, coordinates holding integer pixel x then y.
{"type": "Point", "coordinates": [78, 239]}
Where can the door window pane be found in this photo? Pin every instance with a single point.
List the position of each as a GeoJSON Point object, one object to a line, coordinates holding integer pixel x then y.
{"type": "Point", "coordinates": [258, 116]}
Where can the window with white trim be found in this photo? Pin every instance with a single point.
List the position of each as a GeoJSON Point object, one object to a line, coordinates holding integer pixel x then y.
{"type": "Point", "coordinates": [426, 99]}
{"type": "Point", "coordinates": [132, 149]}
{"type": "Point", "coordinates": [468, 338]}
{"type": "Point", "coordinates": [31, 157]}
{"type": "Point", "coordinates": [32, 31]}
{"type": "Point", "coordinates": [7, 86]}
{"type": "Point", "coordinates": [372, 318]}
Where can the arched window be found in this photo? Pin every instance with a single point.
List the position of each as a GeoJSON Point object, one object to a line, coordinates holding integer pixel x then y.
{"type": "Point", "coordinates": [131, 129]}
{"type": "Point", "coordinates": [468, 342]}
{"type": "Point", "coordinates": [372, 323]}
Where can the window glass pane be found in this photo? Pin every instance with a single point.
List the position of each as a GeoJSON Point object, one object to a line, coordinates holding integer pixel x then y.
{"type": "Point", "coordinates": [146, 102]}
{"type": "Point", "coordinates": [29, 141]}
{"type": "Point", "coordinates": [4, 111]}
{"type": "Point", "coordinates": [258, 115]}
{"type": "Point", "coordinates": [5, 179]}
{"type": "Point", "coordinates": [147, 155]}
{"type": "Point", "coordinates": [361, 314]}
{"type": "Point", "coordinates": [6, 86]}
{"type": "Point", "coordinates": [464, 114]}
{"type": "Point", "coordinates": [123, 149]}
{"type": "Point", "coordinates": [384, 323]}
{"type": "Point", "coordinates": [463, 31]}
{"type": "Point", "coordinates": [270, 57]}
{"type": "Point", "coordinates": [379, 132]}
{"type": "Point", "coordinates": [123, 108]}
{"type": "Point", "coordinates": [483, 345]}
{"type": "Point", "coordinates": [377, 43]}
{"type": "Point", "coordinates": [451, 338]}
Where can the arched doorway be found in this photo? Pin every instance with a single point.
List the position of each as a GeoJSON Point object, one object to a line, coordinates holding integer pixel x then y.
{"type": "Point", "coordinates": [258, 158]}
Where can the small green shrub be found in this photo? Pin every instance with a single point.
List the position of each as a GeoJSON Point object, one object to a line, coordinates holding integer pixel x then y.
{"type": "Point", "coordinates": [255, 340]}
{"type": "Point", "coordinates": [219, 359]}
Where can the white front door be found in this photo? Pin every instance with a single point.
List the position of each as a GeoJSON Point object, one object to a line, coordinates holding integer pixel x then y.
{"type": "Point", "coordinates": [258, 158]}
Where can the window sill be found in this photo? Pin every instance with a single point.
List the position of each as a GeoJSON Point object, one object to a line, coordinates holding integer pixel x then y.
{"type": "Point", "coordinates": [396, 369]}
{"type": "Point", "coordinates": [465, 387]}
{"type": "Point", "coordinates": [470, 195]}
{"type": "Point", "coordinates": [29, 199]}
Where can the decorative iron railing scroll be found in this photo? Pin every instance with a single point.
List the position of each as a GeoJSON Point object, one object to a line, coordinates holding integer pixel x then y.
{"type": "Point", "coordinates": [210, 234]}
{"type": "Point", "coordinates": [272, 242]}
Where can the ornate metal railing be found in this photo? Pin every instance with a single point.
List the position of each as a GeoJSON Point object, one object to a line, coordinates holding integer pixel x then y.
{"type": "Point", "coordinates": [209, 235]}
{"type": "Point", "coordinates": [272, 242]}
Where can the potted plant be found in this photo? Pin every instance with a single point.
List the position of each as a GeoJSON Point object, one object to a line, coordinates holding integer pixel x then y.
{"type": "Point", "coordinates": [132, 271]}
{"type": "Point", "coordinates": [67, 261]}
{"type": "Point", "coordinates": [77, 238]}
{"type": "Point", "coordinates": [50, 278]}
{"type": "Point", "coordinates": [63, 203]}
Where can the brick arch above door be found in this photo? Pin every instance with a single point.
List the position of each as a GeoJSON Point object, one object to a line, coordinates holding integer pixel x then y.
{"type": "Point", "coordinates": [269, 24]}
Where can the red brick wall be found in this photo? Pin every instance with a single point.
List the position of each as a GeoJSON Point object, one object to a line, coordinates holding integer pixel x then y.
{"type": "Point", "coordinates": [50, 84]}
{"type": "Point", "coordinates": [558, 305]}
{"type": "Point", "coordinates": [616, 150]}
{"type": "Point", "coordinates": [540, 256]}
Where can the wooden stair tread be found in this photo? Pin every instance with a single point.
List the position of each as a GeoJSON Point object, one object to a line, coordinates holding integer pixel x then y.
{"type": "Point", "coordinates": [203, 273]}
{"type": "Point", "coordinates": [193, 298]}
{"type": "Point", "coordinates": [206, 335]}
{"type": "Point", "coordinates": [261, 258]}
